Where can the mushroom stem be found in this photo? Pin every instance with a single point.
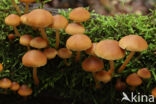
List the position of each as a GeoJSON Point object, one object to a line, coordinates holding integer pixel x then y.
{"type": "Point", "coordinates": [17, 8]}
{"type": "Point", "coordinates": [78, 53]}
{"type": "Point", "coordinates": [28, 47]}
{"type": "Point", "coordinates": [44, 35]}
{"type": "Point", "coordinates": [26, 8]}
{"type": "Point", "coordinates": [36, 81]}
{"type": "Point", "coordinates": [97, 84]}
{"type": "Point", "coordinates": [25, 98]}
{"type": "Point", "coordinates": [111, 70]}
{"type": "Point", "coordinates": [126, 61]}
{"type": "Point", "coordinates": [16, 31]}
{"type": "Point", "coordinates": [57, 38]}
{"type": "Point", "coordinates": [65, 61]}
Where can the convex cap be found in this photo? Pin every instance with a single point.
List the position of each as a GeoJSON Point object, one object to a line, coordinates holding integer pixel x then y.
{"type": "Point", "coordinates": [64, 53]}
{"type": "Point", "coordinates": [5, 83]}
{"type": "Point", "coordinates": [25, 90]}
{"type": "Point", "coordinates": [59, 22]}
{"type": "Point", "coordinates": [133, 80]}
{"type": "Point", "coordinates": [38, 42]}
{"type": "Point", "coordinates": [50, 53]}
{"type": "Point", "coordinates": [12, 20]}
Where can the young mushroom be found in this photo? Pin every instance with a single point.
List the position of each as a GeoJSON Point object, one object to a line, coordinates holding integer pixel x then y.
{"type": "Point", "coordinates": [91, 50]}
{"type": "Point", "coordinates": [25, 40]}
{"type": "Point", "coordinates": [16, 6]}
{"type": "Point", "coordinates": [59, 22]}
{"type": "Point", "coordinates": [154, 92]}
{"type": "Point", "coordinates": [5, 83]}
{"type": "Point", "coordinates": [13, 20]}
{"type": "Point", "coordinates": [11, 37]}
{"type": "Point", "coordinates": [27, 2]}
{"type": "Point", "coordinates": [38, 42]}
{"type": "Point", "coordinates": [109, 50]}
{"type": "Point", "coordinates": [144, 73]}
{"type": "Point", "coordinates": [133, 43]}
{"type": "Point", "coordinates": [50, 53]}
{"type": "Point", "coordinates": [14, 86]}
{"type": "Point", "coordinates": [65, 54]}
{"type": "Point", "coordinates": [34, 58]}
{"type": "Point", "coordinates": [120, 86]}
{"type": "Point", "coordinates": [78, 42]}
{"type": "Point", "coordinates": [25, 91]}
{"type": "Point", "coordinates": [1, 67]}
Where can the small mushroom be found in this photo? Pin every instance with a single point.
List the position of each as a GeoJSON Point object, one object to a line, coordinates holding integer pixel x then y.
{"type": "Point", "coordinates": [38, 42]}
{"type": "Point", "coordinates": [11, 37]}
{"type": "Point", "coordinates": [144, 73]}
{"type": "Point", "coordinates": [5, 83]}
{"type": "Point", "coordinates": [25, 91]}
{"type": "Point", "coordinates": [133, 80]}
{"type": "Point", "coordinates": [120, 86]}
{"type": "Point", "coordinates": [78, 42]}
{"type": "Point", "coordinates": [59, 22]}
{"type": "Point", "coordinates": [154, 92]}
{"type": "Point", "coordinates": [133, 43]}
{"type": "Point", "coordinates": [1, 67]}
{"type": "Point", "coordinates": [13, 20]}
{"type": "Point", "coordinates": [65, 54]}
{"type": "Point", "coordinates": [50, 53]}
{"type": "Point", "coordinates": [34, 58]}
{"type": "Point", "coordinates": [74, 28]}
{"type": "Point", "coordinates": [14, 86]}
{"type": "Point", "coordinates": [91, 50]}
{"type": "Point", "coordinates": [27, 2]}
{"type": "Point", "coordinates": [25, 40]}
{"type": "Point", "coordinates": [16, 6]}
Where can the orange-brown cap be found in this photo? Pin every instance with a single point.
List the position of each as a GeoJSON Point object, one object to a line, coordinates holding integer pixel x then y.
{"type": "Point", "coordinates": [75, 28]}
{"type": "Point", "coordinates": [59, 22]}
{"type": "Point", "coordinates": [109, 50]}
{"type": "Point", "coordinates": [25, 40]}
{"type": "Point", "coordinates": [25, 90]}
{"type": "Point", "coordinates": [11, 37]}
{"type": "Point", "coordinates": [133, 80]}
{"type": "Point", "coordinates": [120, 86]}
{"type": "Point", "coordinates": [78, 42]}
{"type": "Point", "coordinates": [144, 73]}
{"type": "Point", "coordinates": [79, 14]}
{"type": "Point", "coordinates": [12, 20]}
{"type": "Point", "coordinates": [91, 50]}
{"type": "Point", "coordinates": [14, 86]}
{"type": "Point", "coordinates": [39, 18]}
{"type": "Point", "coordinates": [38, 42]}
{"type": "Point", "coordinates": [50, 53]}
{"type": "Point", "coordinates": [154, 92]}
{"type": "Point", "coordinates": [27, 1]}
{"type": "Point", "coordinates": [92, 64]}
{"type": "Point", "coordinates": [103, 76]}
{"type": "Point", "coordinates": [1, 67]}
{"type": "Point", "coordinates": [34, 58]}
{"type": "Point", "coordinates": [133, 43]}
{"type": "Point", "coordinates": [23, 18]}
{"type": "Point", "coordinates": [64, 53]}
{"type": "Point", "coordinates": [5, 83]}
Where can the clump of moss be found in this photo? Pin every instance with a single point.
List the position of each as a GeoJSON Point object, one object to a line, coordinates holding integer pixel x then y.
{"type": "Point", "coordinates": [72, 82]}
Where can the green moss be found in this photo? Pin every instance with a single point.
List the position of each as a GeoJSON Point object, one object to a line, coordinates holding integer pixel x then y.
{"type": "Point", "coordinates": [72, 82]}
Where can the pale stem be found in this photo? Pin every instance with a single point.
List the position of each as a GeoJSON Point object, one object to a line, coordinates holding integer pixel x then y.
{"type": "Point", "coordinates": [111, 70]}
{"type": "Point", "coordinates": [44, 35]}
{"type": "Point", "coordinates": [16, 31]}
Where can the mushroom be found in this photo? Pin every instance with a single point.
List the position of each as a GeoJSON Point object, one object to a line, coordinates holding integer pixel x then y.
{"type": "Point", "coordinates": [39, 18]}
{"type": "Point", "coordinates": [34, 58]}
{"type": "Point", "coordinates": [25, 91]}
{"type": "Point", "coordinates": [91, 50]}
{"type": "Point", "coordinates": [23, 19]}
{"type": "Point", "coordinates": [120, 86]}
{"type": "Point", "coordinates": [59, 22]}
{"type": "Point", "coordinates": [65, 54]}
{"type": "Point", "coordinates": [13, 20]}
{"type": "Point", "coordinates": [1, 67]}
{"type": "Point", "coordinates": [14, 86]}
{"type": "Point", "coordinates": [27, 2]}
{"type": "Point", "coordinates": [78, 42]}
{"type": "Point", "coordinates": [16, 6]}
{"type": "Point", "coordinates": [79, 14]}
{"type": "Point", "coordinates": [50, 53]}
{"type": "Point", "coordinates": [154, 92]}
{"type": "Point", "coordinates": [11, 37]}
{"type": "Point", "coordinates": [133, 80]}
{"type": "Point", "coordinates": [75, 28]}
{"type": "Point", "coordinates": [5, 83]}
{"type": "Point", "coordinates": [38, 42]}
{"type": "Point", "coordinates": [25, 40]}
{"type": "Point", "coordinates": [144, 73]}
{"type": "Point", "coordinates": [109, 50]}
{"type": "Point", "coordinates": [133, 43]}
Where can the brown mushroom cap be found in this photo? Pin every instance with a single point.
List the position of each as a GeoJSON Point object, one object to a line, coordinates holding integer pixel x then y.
{"type": "Point", "coordinates": [133, 80]}
{"type": "Point", "coordinates": [11, 36]}
{"type": "Point", "coordinates": [154, 92]}
{"type": "Point", "coordinates": [120, 86]}
{"type": "Point", "coordinates": [64, 53]}
{"type": "Point", "coordinates": [109, 50]}
{"type": "Point", "coordinates": [12, 20]}
{"type": "Point", "coordinates": [75, 28]}
{"type": "Point", "coordinates": [23, 18]}
{"type": "Point", "coordinates": [78, 42]}
{"type": "Point", "coordinates": [25, 90]}
{"type": "Point", "coordinates": [1, 67]}
{"type": "Point", "coordinates": [50, 53]}
{"type": "Point", "coordinates": [133, 43]}
{"type": "Point", "coordinates": [39, 18]}
{"type": "Point", "coordinates": [144, 73]}
{"type": "Point", "coordinates": [25, 40]}
{"type": "Point", "coordinates": [59, 22]}
{"type": "Point", "coordinates": [27, 1]}
{"type": "Point", "coordinates": [92, 64]}
{"type": "Point", "coordinates": [34, 58]}
{"type": "Point", "coordinates": [79, 14]}
{"type": "Point", "coordinates": [14, 86]}
{"type": "Point", "coordinates": [91, 50]}
{"type": "Point", "coordinates": [5, 83]}
{"type": "Point", "coordinates": [38, 42]}
{"type": "Point", "coordinates": [103, 76]}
